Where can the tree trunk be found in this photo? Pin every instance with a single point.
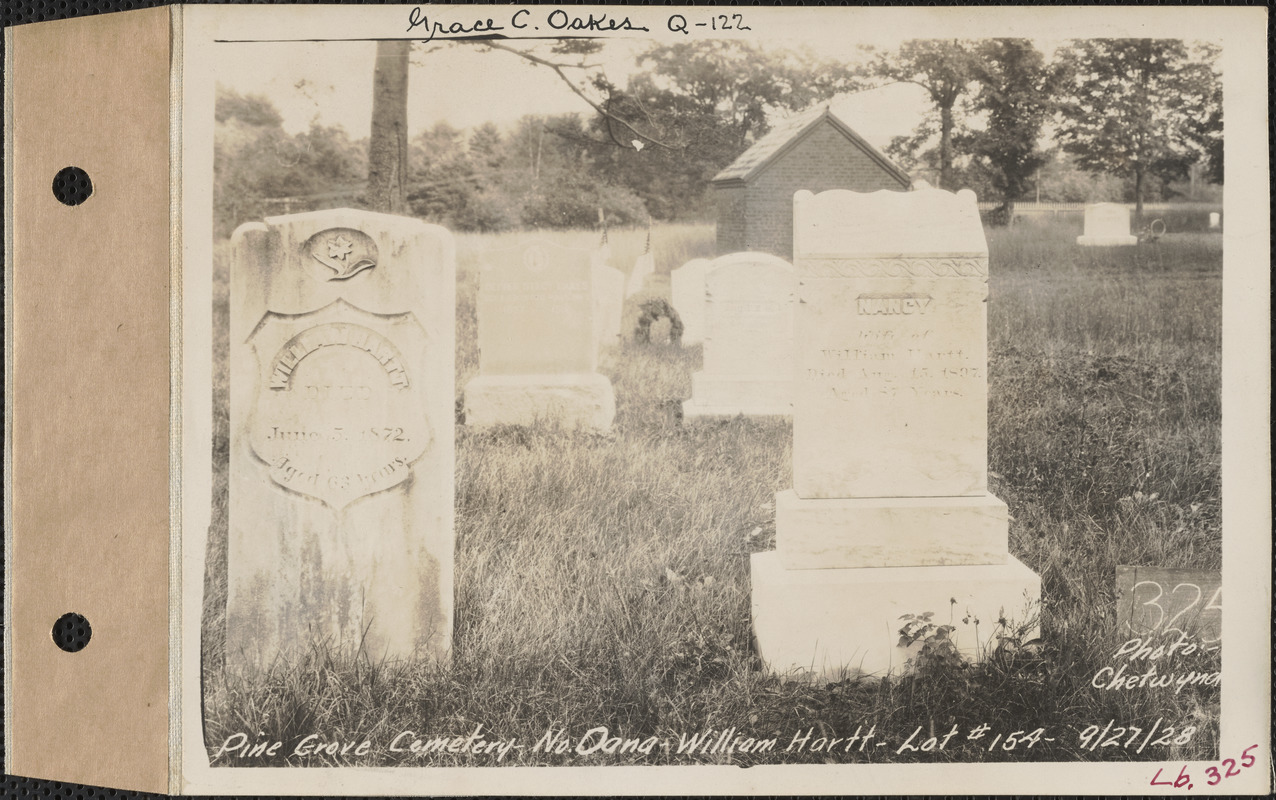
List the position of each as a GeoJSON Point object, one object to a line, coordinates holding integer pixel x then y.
{"type": "Point", "coordinates": [946, 147]}
{"type": "Point", "coordinates": [388, 146]}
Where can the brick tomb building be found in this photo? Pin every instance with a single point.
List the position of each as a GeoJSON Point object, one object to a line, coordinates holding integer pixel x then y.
{"type": "Point", "coordinates": [813, 150]}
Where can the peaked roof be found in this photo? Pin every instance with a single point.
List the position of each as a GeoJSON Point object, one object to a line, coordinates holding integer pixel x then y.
{"type": "Point", "coordinates": [788, 133]}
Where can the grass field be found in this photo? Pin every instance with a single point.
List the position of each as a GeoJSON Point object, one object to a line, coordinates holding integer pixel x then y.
{"type": "Point", "coordinates": [603, 581]}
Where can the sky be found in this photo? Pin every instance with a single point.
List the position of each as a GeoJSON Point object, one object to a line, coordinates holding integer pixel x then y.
{"type": "Point", "coordinates": [331, 82]}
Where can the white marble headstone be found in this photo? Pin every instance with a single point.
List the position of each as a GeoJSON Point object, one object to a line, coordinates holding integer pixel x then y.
{"type": "Point", "coordinates": [748, 338]}
{"type": "Point", "coordinates": [609, 300]}
{"type": "Point", "coordinates": [644, 267]}
{"type": "Point", "coordinates": [687, 291]}
{"type": "Point", "coordinates": [1107, 224]}
{"type": "Point", "coordinates": [538, 340]}
{"type": "Point", "coordinates": [342, 331]}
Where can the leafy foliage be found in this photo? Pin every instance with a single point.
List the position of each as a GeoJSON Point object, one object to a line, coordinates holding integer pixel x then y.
{"type": "Point", "coordinates": [1138, 107]}
{"type": "Point", "coordinates": [1014, 91]}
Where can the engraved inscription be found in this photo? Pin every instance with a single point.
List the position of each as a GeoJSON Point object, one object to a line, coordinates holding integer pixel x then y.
{"type": "Point", "coordinates": [338, 417]}
{"type": "Point", "coordinates": [888, 304]}
{"type": "Point", "coordinates": [895, 364]}
{"type": "Point", "coordinates": [337, 333]}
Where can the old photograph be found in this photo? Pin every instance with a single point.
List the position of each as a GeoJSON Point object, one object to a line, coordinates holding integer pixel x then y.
{"type": "Point", "coordinates": [680, 388]}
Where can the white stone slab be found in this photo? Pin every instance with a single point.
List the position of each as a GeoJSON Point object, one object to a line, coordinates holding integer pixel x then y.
{"type": "Point", "coordinates": [644, 267]}
{"type": "Point", "coordinates": [687, 292]}
{"type": "Point", "coordinates": [585, 400]}
{"type": "Point", "coordinates": [609, 300]}
{"type": "Point", "coordinates": [889, 532]}
{"type": "Point", "coordinates": [748, 343]}
{"type": "Point", "coordinates": [836, 623]}
{"type": "Point", "coordinates": [925, 222]}
{"type": "Point", "coordinates": [538, 342]}
{"type": "Point", "coordinates": [1107, 225]}
{"type": "Point", "coordinates": [536, 310]}
{"type": "Point", "coordinates": [1216, 220]}
{"type": "Point", "coordinates": [342, 332]}
{"type": "Point", "coordinates": [890, 396]}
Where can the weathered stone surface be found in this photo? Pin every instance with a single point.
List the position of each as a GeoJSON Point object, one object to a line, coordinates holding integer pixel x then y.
{"type": "Point", "coordinates": [748, 343]}
{"type": "Point", "coordinates": [828, 623]}
{"type": "Point", "coordinates": [889, 531]}
{"type": "Point", "coordinates": [889, 514]}
{"type": "Point", "coordinates": [535, 310]}
{"type": "Point", "coordinates": [573, 401]}
{"type": "Point", "coordinates": [538, 340]}
{"type": "Point", "coordinates": [891, 393]}
{"type": "Point", "coordinates": [342, 330]}
{"type": "Point", "coordinates": [644, 267]}
{"type": "Point", "coordinates": [1107, 225]}
{"type": "Point", "coordinates": [609, 300]}
{"type": "Point", "coordinates": [687, 292]}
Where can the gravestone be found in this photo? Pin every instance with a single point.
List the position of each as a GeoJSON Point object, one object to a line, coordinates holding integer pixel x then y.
{"type": "Point", "coordinates": [342, 350]}
{"type": "Point", "coordinates": [686, 287]}
{"type": "Point", "coordinates": [1107, 224]}
{"type": "Point", "coordinates": [609, 300]}
{"type": "Point", "coordinates": [1216, 220]}
{"type": "Point", "coordinates": [644, 267]}
{"type": "Point", "coordinates": [748, 339]}
{"type": "Point", "coordinates": [538, 345]}
{"type": "Point", "coordinates": [889, 513]}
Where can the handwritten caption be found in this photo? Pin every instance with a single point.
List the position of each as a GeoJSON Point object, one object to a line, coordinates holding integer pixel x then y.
{"type": "Point", "coordinates": [1168, 659]}
{"type": "Point", "coordinates": [526, 21]}
{"type": "Point", "coordinates": [1213, 777]}
{"type": "Point", "coordinates": [710, 741]}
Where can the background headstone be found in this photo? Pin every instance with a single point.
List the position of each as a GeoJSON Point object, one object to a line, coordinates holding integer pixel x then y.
{"type": "Point", "coordinates": [538, 344]}
{"type": "Point", "coordinates": [889, 512]}
{"type": "Point", "coordinates": [342, 331]}
{"type": "Point", "coordinates": [609, 301]}
{"type": "Point", "coordinates": [1106, 225]}
{"type": "Point", "coordinates": [748, 338]}
{"type": "Point", "coordinates": [644, 267]}
{"type": "Point", "coordinates": [1216, 220]}
{"type": "Point", "coordinates": [687, 292]}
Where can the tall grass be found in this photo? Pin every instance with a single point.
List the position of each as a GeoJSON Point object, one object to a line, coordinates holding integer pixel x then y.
{"type": "Point", "coordinates": [602, 579]}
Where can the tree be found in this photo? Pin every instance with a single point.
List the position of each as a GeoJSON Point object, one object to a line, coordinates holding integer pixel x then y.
{"type": "Point", "coordinates": [706, 101]}
{"type": "Point", "coordinates": [388, 146]}
{"type": "Point", "coordinates": [943, 67]}
{"type": "Point", "coordinates": [1014, 91]}
{"type": "Point", "coordinates": [1135, 107]}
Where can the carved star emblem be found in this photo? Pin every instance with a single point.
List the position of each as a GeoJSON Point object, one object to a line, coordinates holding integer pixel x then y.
{"type": "Point", "coordinates": [339, 247]}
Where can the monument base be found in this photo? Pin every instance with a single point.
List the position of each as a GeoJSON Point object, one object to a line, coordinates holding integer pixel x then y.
{"type": "Point", "coordinates": [729, 395]}
{"type": "Point", "coordinates": [1107, 241]}
{"type": "Point", "coordinates": [889, 531]}
{"type": "Point", "coordinates": [836, 623]}
{"type": "Point", "coordinates": [577, 400]}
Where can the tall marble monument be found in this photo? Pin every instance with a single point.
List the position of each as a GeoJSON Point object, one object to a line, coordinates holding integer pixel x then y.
{"type": "Point", "coordinates": [889, 513]}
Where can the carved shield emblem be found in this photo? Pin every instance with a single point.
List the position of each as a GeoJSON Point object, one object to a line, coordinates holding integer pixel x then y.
{"type": "Point", "coordinates": [344, 251]}
{"type": "Point", "coordinates": [338, 416]}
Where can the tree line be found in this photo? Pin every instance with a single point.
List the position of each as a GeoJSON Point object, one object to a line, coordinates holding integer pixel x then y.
{"type": "Point", "coordinates": [1124, 116]}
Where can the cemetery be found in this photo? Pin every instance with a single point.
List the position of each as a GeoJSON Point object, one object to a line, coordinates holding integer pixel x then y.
{"type": "Point", "coordinates": [850, 456]}
{"type": "Point", "coordinates": [651, 558]}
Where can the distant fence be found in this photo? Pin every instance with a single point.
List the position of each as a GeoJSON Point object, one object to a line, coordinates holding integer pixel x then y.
{"type": "Point", "coordinates": [1033, 208]}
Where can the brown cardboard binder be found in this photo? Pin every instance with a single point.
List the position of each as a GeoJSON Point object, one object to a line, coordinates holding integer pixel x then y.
{"type": "Point", "coordinates": [87, 389]}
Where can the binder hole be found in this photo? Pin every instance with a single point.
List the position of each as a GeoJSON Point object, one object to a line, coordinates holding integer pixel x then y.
{"type": "Point", "coordinates": [71, 632]}
{"type": "Point", "coordinates": [72, 186]}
